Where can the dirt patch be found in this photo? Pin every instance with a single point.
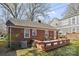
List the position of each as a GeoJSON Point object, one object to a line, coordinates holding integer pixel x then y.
{"type": "Point", "coordinates": [5, 52]}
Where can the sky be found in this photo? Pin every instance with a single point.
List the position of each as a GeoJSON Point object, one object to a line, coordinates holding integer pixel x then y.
{"type": "Point", "coordinates": [58, 10]}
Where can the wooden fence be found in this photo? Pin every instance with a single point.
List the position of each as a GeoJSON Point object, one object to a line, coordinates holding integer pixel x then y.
{"type": "Point", "coordinates": [72, 36]}
{"type": "Point", "coordinates": [48, 45]}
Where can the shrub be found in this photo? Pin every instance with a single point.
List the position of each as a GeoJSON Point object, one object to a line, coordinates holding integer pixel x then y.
{"type": "Point", "coordinates": [14, 46]}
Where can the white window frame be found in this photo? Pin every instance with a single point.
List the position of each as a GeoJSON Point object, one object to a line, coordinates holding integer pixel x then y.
{"type": "Point", "coordinates": [73, 20]}
{"type": "Point", "coordinates": [34, 30]}
{"type": "Point", "coordinates": [55, 34]}
{"type": "Point", "coordinates": [46, 33]}
{"type": "Point", "coordinates": [25, 29]}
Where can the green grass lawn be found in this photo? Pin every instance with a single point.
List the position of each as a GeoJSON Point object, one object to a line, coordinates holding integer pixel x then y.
{"type": "Point", "coordinates": [3, 42]}
{"type": "Point", "coordinates": [69, 50]}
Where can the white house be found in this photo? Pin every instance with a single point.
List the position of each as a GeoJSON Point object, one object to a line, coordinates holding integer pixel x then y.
{"type": "Point", "coordinates": [55, 22]}
{"type": "Point", "coordinates": [70, 21]}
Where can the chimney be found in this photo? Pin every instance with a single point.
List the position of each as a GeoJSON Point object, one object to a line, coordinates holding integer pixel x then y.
{"type": "Point", "coordinates": [39, 21]}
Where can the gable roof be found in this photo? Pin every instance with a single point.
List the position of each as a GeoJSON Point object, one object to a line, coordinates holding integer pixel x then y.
{"type": "Point", "coordinates": [54, 19]}
{"type": "Point", "coordinates": [72, 10]}
{"type": "Point", "coordinates": [30, 23]}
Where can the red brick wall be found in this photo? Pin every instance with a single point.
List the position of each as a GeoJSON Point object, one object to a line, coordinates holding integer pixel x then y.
{"type": "Point", "coordinates": [17, 34]}
{"type": "Point", "coordinates": [20, 33]}
{"type": "Point", "coordinates": [40, 34]}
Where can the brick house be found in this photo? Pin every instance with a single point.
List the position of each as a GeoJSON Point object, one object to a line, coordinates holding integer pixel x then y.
{"type": "Point", "coordinates": [26, 30]}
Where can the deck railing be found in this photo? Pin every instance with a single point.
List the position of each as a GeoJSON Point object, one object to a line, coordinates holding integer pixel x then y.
{"type": "Point", "coordinates": [52, 44]}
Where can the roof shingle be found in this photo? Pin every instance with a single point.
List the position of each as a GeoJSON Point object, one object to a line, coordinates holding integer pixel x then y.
{"type": "Point", "coordinates": [30, 24]}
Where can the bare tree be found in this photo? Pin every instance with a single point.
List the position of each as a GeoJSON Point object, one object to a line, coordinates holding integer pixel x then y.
{"type": "Point", "coordinates": [37, 9]}
{"type": "Point", "coordinates": [13, 9]}
{"type": "Point", "coordinates": [72, 9]}
{"type": "Point", "coordinates": [30, 11]}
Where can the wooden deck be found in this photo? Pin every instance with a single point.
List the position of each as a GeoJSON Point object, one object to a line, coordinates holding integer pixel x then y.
{"type": "Point", "coordinates": [52, 44]}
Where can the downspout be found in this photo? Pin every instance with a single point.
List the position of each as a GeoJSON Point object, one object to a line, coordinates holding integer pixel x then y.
{"type": "Point", "coordinates": [10, 37]}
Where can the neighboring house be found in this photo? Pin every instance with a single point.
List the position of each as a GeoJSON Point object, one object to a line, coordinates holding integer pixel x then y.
{"type": "Point", "coordinates": [55, 23]}
{"type": "Point", "coordinates": [70, 21]}
{"type": "Point", "coordinates": [27, 30]}
{"type": "Point", "coordinates": [68, 25]}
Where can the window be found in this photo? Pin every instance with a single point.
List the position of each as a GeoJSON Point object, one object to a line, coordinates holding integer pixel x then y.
{"type": "Point", "coordinates": [77, 19]}
{"type": "Point", "coordinates": [73, 20]}
{"type": "Point", "coordinates": [46, 34]}
{"type": "Point", "coordinates": [34, 32]}
{"type": "Point", "coordinates": [77, 28]}
{"type": "Point", "coordinates": [69, 21]}
{"type": "Point", "coordinates": [26, 33]}
{"type": "Point", "coordinates": [73, 29]}
{"type": "Point", "coordinates": [69, 30]}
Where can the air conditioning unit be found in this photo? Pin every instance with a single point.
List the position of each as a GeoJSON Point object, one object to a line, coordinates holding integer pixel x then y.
{"type": "Point", "coordinates": [23, 44]}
